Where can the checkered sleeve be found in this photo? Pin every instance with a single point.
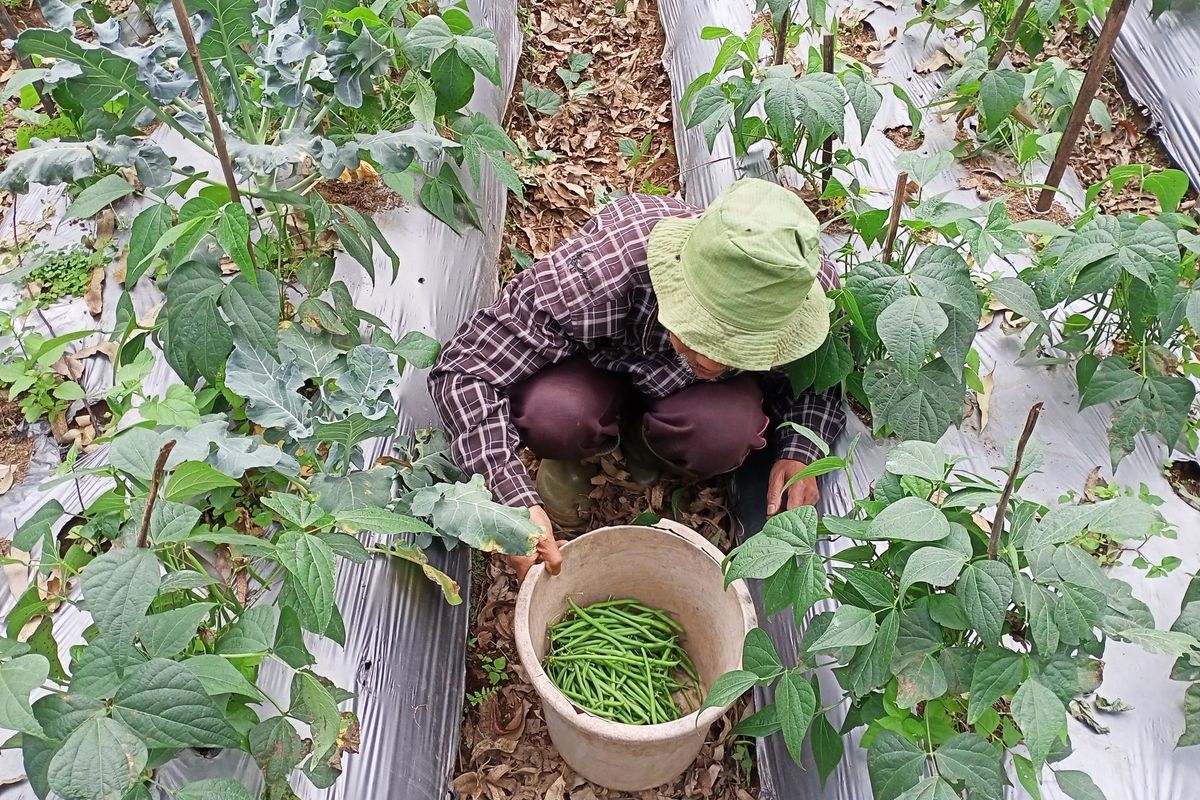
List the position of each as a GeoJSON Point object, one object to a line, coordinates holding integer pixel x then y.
{"type": "Point", "coordinates": [499, 346]}
{"type": "Point", "coordinates": [822, 412]}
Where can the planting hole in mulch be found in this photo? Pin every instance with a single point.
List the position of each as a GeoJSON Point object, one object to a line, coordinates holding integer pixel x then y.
{"type": "Point", "coordinates": [1184, 477]}
{"type": "Point", "coordinates": [368, 196]}
{"type": "Point", "coordinates": [902, 136]}
{"type": "Point", "coordinates": [858, 41]}
{"type": "Point", "coordinates": [988, 185]}
{"type": "Point", "coordinates": [16, 446]}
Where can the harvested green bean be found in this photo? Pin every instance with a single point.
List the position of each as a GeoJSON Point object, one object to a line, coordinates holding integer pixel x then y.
{"type": "Point", "coordinates": [623, 661]}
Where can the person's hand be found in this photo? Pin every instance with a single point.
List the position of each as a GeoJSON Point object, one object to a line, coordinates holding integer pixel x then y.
{"type": "Point", "coordinates": [803, 492]}
{"type": "Point", "coordinates": [545, 551]}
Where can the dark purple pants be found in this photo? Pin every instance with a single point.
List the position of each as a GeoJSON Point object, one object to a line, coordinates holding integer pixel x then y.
{"type": "Point", "coordinates": [573, 410]}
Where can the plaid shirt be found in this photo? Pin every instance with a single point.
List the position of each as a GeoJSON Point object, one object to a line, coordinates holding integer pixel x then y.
{"type": "Point", "coordinates": [591, 294]}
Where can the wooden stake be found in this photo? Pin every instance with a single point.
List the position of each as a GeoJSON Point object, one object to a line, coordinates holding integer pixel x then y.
{"type": "Point", "coordinates": [1010, 35]}
{"type": "Point", "coordinates": [1087, 91]}
{"type": "Point", "coordinates": [11, 32]}
{"type": "Point", "coordinates": [781, 34]}
{"type": "Point", "coordinates": [894, 218]}
{"type": "Point", "coordinates": [160, 466]}
{"type": "Point", "coordinates": [827, 145]}
{"type": "Point", "coordinates": [189, 39]}
{"type": "Point", "coordinates": [210, 108]}
{"type": "Point", "coordinates": [998, 522]}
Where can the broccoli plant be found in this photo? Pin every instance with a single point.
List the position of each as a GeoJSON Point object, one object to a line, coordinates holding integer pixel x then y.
{"type": "Point", "coordinates": [959, 642]}
{"type": "Point", "coordinates": [213, 553]}
{"type": "Point", "coordinates": [277, 93]}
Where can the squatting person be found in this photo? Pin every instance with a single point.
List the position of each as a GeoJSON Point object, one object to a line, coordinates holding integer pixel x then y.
{"type": "Point", "coordinates": [657, 327]}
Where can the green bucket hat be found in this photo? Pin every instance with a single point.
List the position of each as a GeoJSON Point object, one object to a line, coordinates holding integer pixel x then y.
{"type": "Point", "coordinates": [739, 284]}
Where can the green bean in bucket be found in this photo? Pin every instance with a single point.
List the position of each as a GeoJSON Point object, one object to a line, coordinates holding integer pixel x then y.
{"type": "Point", "coordinates": [622, 660]}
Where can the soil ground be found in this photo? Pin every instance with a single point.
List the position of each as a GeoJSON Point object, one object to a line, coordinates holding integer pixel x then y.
{"type": "Point", "coordinates": [16, 447]}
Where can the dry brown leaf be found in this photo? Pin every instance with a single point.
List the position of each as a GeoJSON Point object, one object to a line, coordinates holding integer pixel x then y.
{"type": "Point", "coordinates": [890, 38]}
{"type": "Point", "coordinates": [105, 348]}
{"type": "Point", "coordinates": [933, 62]}
{"type": "Point", "coordinates": [28, 628]}
{"type": "Point", "coordinates": [148, 319]}
{"type": "Point", "coordinates": [876, 58]}
{"type": "Point", "coordinates": [1094, 482]}
{"type": "Point", "coordinates": [1012, 322]}
{"type": "Point", "coordinates": [58, 427]}
{"type": "Point", "coordinates": [17, 575]}
{"type": "Point", "coordinates": [892, 4]}
{"type": "Point", "coordinates": [555, 792]}
{"type": "Point", "coordinates": [8, 476]}
{"type": "Point", "coordinates": [50, 587]}
{"type": "Point", "coordinates": [106, 226]}
{"type": "Point", "coordinates": [467, 784]}
{"type": "Point", "coordinates": [121, 266]}
{"type": "Point", "coordinates": [94, 297]}
{"type": "Point", "coordinates": [850, 17]}
{"type": "Point", "coordinates": [955, 49]}
{"type": "Point", "coordinates": [548, 23]}
{"type": "Point", "coordinates": [984, 398]}
{"type": "Point", "coordinates": [67, 367]}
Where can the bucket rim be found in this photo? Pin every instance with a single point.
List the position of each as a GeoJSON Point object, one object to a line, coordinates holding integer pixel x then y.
{"type": "Point", "coordinates": [593, 725]}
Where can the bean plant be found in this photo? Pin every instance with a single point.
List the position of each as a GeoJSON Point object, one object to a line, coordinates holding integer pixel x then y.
{"type": "Point", "coordinates": [1021, 111]}
{"type": "Point", "coordinates": [27, 373]}
{"type": "Point", "coordinates": [1187, 666]}
{"type": "Point", "coordinates": [1127, 306]}
{"type": "Point", "coordinates": [959, 643]}
{"type": "Point", "coordinates": [799, 112]}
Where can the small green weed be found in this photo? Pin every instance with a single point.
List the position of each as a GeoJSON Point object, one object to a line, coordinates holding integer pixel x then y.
{"type": "Point", "coordinates": [743, 756]}
{"type": "Point", "coordinates": [64, 273]}
{"type": "Point", "coordinates": [497, 671]}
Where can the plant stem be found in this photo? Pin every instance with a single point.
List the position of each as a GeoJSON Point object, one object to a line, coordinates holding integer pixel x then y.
{"type": "Point", "coordinates": [160, 466]}
{"type": "Point", "coordinates": [998, 523]}
{"type": "Point", "coordinates": [827, 145]}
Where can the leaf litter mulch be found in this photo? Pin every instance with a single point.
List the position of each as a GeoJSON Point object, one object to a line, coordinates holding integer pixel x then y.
{"type": "Point", "coordinates": [1131, 140]}
{"type": "Point", "coordinates": [573, 162]}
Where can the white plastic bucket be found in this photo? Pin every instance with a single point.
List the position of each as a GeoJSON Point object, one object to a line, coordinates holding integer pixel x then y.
{"type": "Point", "coordinates": [667, 566]}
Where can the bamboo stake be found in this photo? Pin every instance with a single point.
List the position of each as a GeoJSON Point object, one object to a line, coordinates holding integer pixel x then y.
{"type": "Point", "coordinates": [998, 523]}
{"type": "Point", "coordinates": [781, 34]}
{"type": "Point", "coordinates": [827, 145]}
{"type": "Point", "coordinates": [210, 108]}
{"type": "Point", "coordinates": [160, 466]}
{"type": "Point", "coordinates": [894, 217]}
{"type": "Point", "coordinates": [1010, 35]}
{"type": "Point", "coordinates": [11, 32]}
{"type": "Point", "coordinates": [189, 39]}
{"type": "Point", "coordinates": [1087, 91]}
